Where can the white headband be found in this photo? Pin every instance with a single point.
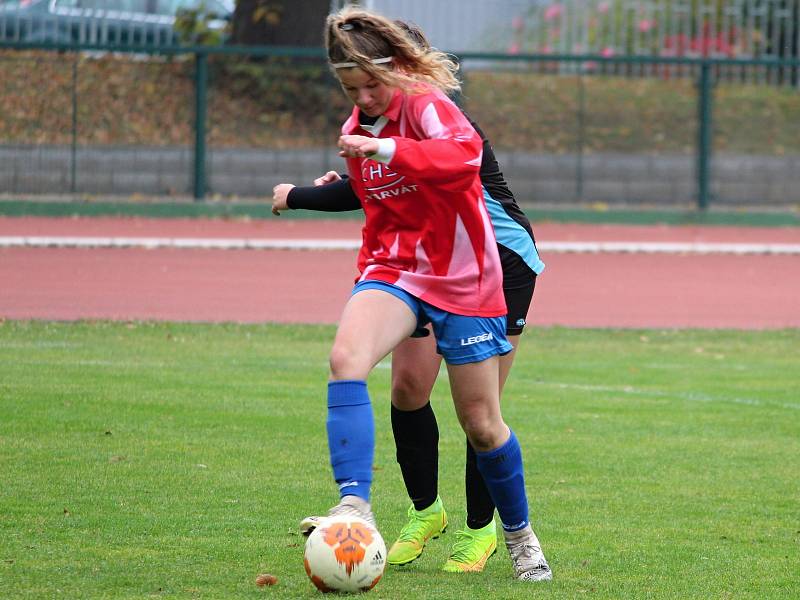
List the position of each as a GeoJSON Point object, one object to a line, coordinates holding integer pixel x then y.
{"type": "Point", "coordinates": [374, 61]}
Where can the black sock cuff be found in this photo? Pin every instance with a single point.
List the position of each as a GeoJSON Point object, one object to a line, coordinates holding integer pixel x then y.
{"type": "Point", "coordinates": [411, 413]}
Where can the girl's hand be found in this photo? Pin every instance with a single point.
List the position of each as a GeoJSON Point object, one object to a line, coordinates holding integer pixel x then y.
{"type": "Point", "coordinates": [279, 195]}
{"type": "Point", "coordinates": [329, 177]}
{"type": "Point", "coordinates": [357, 146]}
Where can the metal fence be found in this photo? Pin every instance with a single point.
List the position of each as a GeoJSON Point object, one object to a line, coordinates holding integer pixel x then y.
{"type": "Point", "coordinates": [233, 122]}
{"type": "Point", "coordinates": [745, 29]}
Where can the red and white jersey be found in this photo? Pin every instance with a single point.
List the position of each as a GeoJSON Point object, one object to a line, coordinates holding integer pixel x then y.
{"type": "Point", "coordinates": [427, 229]}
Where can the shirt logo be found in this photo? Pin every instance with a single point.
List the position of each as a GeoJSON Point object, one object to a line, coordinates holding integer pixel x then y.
{"type": "Point", "coordinates": [381, 183]}
{"type": "Point", "coordinates": [476, 339]}
{"type": "Point", "coordinates": [376, 174]}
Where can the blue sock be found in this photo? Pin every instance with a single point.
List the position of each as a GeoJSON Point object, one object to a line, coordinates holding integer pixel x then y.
{"type": "Point", "coordinates": [501, 469]}
{"type": "Point", "coordinates": [351, 436]}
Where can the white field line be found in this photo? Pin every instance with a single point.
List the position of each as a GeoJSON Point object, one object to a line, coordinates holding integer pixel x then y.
{"type": "Point", "coordinates": [352, 244]}
{"type": "Point", "coordinates": [688, 396]}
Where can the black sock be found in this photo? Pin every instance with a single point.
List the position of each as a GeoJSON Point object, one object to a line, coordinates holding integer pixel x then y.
{"type": "Point", "coordinates": [480, 507]}
{"type": "Point", "coordinates": [416, 436]}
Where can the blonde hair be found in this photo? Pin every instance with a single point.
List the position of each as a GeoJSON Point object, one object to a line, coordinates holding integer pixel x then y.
{"type": "Point", "coordinates": [360, 37]}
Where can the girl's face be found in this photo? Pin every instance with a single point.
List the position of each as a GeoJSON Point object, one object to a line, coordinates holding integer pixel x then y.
{"type": "Point", "coordinates": [366, 92]}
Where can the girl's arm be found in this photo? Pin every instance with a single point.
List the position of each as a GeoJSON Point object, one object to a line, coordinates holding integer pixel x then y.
{"type": "Point", "coordinates": [337, 196]}
{"type": "Point", "coordinates": [331, 197]}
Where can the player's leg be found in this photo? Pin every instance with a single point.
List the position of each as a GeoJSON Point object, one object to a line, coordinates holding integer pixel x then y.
{"type": "Point", "coordinates": [474, 372]}
{"type": "Point", "coordinates": [374, 321]}
{"type": "Point", "coordinates": [480, 508]}
{"type": "Point", "coordinates": [499, 460]}
{"type": "Point", "coordinates": [478, 540]}
{"type": "Point", "coordinates": [471, 347]}
{"type": "Point", "coordinates": [518, 287]}
{"type": "Point", "coordinates": [480, 533]}
{"type": "Point", "coordinates": [415, 366]}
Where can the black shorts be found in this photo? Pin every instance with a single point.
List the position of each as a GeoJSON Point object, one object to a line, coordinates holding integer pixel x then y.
{"type": "Point", "coordinates": [518, 301]}
{"type": "Point", "coordinates": [519, 282]}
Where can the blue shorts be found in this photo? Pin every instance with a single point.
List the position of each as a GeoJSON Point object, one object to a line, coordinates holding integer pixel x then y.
{"type": "Point", "coordinates": [459, 339]}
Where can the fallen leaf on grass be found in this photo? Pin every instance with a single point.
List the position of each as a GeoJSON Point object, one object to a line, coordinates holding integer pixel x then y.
{"type": "Point", "coordinates": [266, 579]}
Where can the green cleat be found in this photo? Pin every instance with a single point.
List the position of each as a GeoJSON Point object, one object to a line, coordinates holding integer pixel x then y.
{"type": "Point", "coordinates": [422, 526]}
{"type": "Point", "coordinates": [472, 549]}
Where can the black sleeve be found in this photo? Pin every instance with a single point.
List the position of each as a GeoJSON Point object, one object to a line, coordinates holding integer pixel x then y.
{"type": "Point", "coordinates": [332, 197]}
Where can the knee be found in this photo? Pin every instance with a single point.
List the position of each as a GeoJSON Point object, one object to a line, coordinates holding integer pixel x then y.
{"type": "Point", "coordinates": [484, 433]}
{"type": "Point", "coordinates": [346, 363]}
{"type": "Point", "coordinates": [478, 434]}
{"type": "Point", "coordinates": [407, 391]}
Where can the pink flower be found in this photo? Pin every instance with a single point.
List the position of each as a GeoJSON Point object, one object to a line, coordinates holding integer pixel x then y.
{"type": "Point", "coordinates": [603, 7]}
{"type": "Point", "coordinates": [645, 25]}
{"type": "Point", "coordinates": [607, 52]}
{"type": "Point", "coordinates": [553, 12]}
{"type": "Point", "coordinates": [514, 48]}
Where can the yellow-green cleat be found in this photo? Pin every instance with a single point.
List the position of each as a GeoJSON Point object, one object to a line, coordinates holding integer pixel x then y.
{"type": "Point", "coordinates": [472, 549]}
{"type": "Point", "coordinates": [423, 525]}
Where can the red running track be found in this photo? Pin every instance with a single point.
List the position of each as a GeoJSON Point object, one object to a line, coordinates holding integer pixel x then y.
{"type": "Point", "coordinates": [586, 290]}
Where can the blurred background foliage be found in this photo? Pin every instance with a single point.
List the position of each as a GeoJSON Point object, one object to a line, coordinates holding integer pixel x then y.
{"type": "Point", "coordinates": [280, 102]}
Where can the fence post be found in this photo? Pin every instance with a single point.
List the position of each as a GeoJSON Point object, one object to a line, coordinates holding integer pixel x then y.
{"type": "Point", "coordinates": [201, 90]}
{"type": "Point", "coordinates": [581, 136]}
{"type": "Point", "coordinates": [74, 138]}
{"type": "Point", "coordinates": [704, 129]}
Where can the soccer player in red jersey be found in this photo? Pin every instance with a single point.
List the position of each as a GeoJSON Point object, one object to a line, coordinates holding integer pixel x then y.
{"type": "Point", "coordinates": [416, 364]}
{"type": "Point", "coordinates": [429, 256]}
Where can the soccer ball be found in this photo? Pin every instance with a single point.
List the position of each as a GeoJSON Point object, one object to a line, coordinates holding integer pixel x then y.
{"type": "Point", "coordinates": [345, 554]}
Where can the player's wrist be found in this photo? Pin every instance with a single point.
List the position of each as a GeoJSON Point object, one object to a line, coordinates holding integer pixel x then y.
{"type": "Point", "coordinates": [386, 149]}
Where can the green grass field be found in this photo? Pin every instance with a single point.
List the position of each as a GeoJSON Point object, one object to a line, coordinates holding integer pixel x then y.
{"type": "Point", "coordinates": [174, 461]}
{"type": "Point", "coordinates": [171, 209]}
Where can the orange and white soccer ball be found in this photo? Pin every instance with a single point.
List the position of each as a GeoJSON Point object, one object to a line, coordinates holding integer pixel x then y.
{"type": "Point", "coordinates": [345, 554]}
